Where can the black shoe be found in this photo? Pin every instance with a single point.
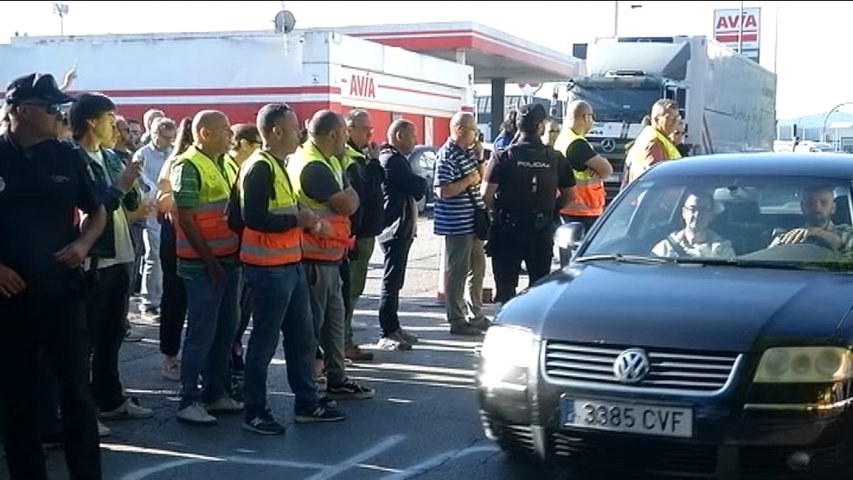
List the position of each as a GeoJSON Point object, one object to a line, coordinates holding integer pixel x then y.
{"type": "Point", "coordinates": [263, 424]}
{"type": "Point", "coordinates": [54, 440]}
{"type": "Point", "coordinates": [482, 324]}
{"type": "Point", "coordinates": [322, 412]}
{"type": "Point", "coordinates": [465, 329]}
{"type": "Point", "coordinates": [349, 390]}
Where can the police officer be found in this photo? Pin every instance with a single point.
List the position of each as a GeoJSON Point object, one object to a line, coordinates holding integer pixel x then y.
{"type": "Point", "coordinates": [521, 184]}
{"type": "Point", "coordinates": [43, 184]}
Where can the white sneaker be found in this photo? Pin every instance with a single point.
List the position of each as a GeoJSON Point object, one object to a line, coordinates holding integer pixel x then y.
{"type": "Point", "coordinates": [103, 430]}
{"type": "Point", "coordinates": [225, 404]}
{"type": "Point", "coordinates": [171, 370]}
{"type": "Point", "coordinates": [129, 409]}
{"type": "Point", "coordinates": [196, 414]}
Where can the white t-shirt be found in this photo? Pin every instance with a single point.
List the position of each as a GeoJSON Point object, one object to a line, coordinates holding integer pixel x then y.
{"type": "Point", "coordinates": [121, 228]}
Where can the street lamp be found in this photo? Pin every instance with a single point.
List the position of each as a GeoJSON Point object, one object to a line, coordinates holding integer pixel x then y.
{"type": "Point", "coordinates": [61, 9]}
{"type": "Point", "coordinates": [826, 118]}
{"type": "Point", "coordinates": [616, 16]}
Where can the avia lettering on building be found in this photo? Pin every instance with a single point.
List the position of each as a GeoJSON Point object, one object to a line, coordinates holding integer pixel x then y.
{"type": "Point", "coordinates": [362, 86]}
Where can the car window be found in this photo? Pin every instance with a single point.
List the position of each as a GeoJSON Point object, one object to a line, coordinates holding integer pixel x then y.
{"type": "Point", "coordinates": [785, 219]}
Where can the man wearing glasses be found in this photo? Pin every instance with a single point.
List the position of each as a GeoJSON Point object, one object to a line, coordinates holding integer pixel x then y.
{"type": "Point", "coordinates": [43, 183]}
{"type": "Point", "coordinates": [589, 168]}
{"type": "Point", "coordinates": [653, 144]}
{"type": "Point", "coordinates": [152, 156]}
{"type": "Point", "coordinates": [459, 172]}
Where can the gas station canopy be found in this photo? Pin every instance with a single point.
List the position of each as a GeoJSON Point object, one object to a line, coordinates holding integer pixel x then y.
{"type": "Point", "coordinates": [492, 53]}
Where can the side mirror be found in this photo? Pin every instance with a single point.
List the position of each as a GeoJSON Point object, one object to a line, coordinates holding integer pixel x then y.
{"type": "Point", "coordinates": [569, 235]}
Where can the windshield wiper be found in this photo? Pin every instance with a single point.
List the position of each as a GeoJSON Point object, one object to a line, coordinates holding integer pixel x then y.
{"type": "Point", "coordinates": [618, 257]}
{"type": "Point", "coordinates": [736, 262]}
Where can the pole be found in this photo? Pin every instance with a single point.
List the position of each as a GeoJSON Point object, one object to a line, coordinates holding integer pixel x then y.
{"type": "Point", "coordinates": [616, 19]}
{"type": "Point", "coordinates": [776, 39]}
{"type": "Point", "coordinates": [740, 31]}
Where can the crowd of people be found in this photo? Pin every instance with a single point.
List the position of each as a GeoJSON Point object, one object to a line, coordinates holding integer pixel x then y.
{"type": "Point", "coordinates": [220, 225]}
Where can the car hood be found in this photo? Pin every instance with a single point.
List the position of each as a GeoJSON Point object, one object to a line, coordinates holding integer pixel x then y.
{"type": "Point", "coordinates": [678, 306]}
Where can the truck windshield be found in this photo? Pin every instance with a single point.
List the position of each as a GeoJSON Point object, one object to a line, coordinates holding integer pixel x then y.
{"type": "Point", "coordinates": [616, 103]}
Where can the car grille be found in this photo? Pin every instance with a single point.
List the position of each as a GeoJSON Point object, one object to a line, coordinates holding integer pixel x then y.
{"type": "Point", "coordinates": [671, 370]}
{"type": "Point", "coordinates": [661, 457]}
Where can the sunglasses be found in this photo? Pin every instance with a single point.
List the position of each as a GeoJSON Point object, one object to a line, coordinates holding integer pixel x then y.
{"type": "Point", "coordinates": [50, 108]}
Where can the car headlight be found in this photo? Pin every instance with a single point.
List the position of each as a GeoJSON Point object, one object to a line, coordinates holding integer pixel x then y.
{"type": "Point", "coordinates": [805, 365]}
{"type": "Point", "coordinates": [507, 354]}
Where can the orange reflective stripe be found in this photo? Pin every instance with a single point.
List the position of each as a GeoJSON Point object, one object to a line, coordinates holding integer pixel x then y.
{"type": "Point", "coordinates": [332, 248]}
{"type": "Point", "coordinates": [213, 226]}
{"type": "Point", "coordinates": [272, 249]}
{"type": "Point", "coordinates": [589, 199]}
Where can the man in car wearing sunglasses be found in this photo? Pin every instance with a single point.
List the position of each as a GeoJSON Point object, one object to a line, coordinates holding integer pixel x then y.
{"type": "Point", "coordinates": [43, 184]}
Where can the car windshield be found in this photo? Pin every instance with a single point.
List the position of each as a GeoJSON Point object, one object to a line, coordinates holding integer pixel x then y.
{"type": "Point", "coordinates": [793, 222]}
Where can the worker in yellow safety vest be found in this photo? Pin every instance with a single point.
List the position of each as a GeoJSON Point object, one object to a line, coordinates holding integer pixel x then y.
{"type": "Point", "coordinates": [653, 144]}
{"type": "Point", "coordinates": [207, 262]}
{"type": "Point", "coordinates": [320, 184]}
{"type": "Point", "coordinates": [589, 168]}
{"type": "Point", "coordinates": [271, 252]}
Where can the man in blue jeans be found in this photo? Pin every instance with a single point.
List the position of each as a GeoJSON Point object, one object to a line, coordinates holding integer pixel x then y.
{"type": "Point", "coordinates": [207, 262]}
{"type": "Point", "coordinates": [271, 250]}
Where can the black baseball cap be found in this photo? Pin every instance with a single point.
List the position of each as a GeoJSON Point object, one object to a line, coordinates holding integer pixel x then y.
{"type": "Point", "coordinates": [38, 87]}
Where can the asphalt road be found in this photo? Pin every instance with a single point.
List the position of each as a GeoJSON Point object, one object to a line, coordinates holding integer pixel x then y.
{"type": "Point", "coordinates": [423, 422]}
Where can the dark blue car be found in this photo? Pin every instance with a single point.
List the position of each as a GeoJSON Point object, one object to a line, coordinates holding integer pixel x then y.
{"type": "Point", "coordinates": [702, 329]}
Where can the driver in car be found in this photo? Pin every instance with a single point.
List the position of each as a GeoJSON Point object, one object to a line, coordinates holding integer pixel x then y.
{"type": "Point", "coordinates": [695, 239]}
{"type": "Point", "coordinates": [818, 205]}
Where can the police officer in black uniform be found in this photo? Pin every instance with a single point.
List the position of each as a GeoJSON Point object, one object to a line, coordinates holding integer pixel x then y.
{"type": "Point", "coordinates": [43, 184]}
{"type": "Point", "coordinates": [526, 184]}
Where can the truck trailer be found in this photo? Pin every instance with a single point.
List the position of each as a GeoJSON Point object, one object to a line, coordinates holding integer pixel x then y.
{"type": "Point", "coordinates": [727, 101]}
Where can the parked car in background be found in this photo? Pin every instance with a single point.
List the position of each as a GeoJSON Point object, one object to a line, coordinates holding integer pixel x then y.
{"type": "Point", "coordinates": [422, 159]}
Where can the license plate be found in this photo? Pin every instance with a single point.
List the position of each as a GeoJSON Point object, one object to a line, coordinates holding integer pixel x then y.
{"type": "Point", "coordinates": [624, 417]}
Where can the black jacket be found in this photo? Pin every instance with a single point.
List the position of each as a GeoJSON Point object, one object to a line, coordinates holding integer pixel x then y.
{"type": "Point", "coordinates": [110, 196]}
{"type": "Point", "coordinates": [403, 189]}
{"type": "Point", "coordinates": [366, 177]}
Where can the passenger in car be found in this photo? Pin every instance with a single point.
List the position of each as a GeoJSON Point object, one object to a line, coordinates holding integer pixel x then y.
{"type": "Point", "coordinates": [695, 239]}
{"type": "Point", "coordinates": [818, 205]}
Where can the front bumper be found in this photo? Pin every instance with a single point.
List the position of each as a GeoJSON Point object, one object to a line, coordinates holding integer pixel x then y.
{"type": "Point", "coordinates": [728, 441]}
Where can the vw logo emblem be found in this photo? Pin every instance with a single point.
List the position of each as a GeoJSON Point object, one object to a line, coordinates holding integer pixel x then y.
{"type": "Point", "coordinates": [608, 145]}
{"type": "Point", "coordinates": [631, 366]}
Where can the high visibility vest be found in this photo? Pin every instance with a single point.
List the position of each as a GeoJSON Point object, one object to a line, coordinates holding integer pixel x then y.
{"type": "Point", "coordinates": [636, 159]}
{"type": "Point", "coordinates": [210, 216]}
{"type": "Point", "coordinates": [590, 195]}
{"type": "Point", "coordinates": [232, 170]}
{"type": "Point", "coordinates": [265, 249]}
{"type": "Point", "coordinates": [334, 247]}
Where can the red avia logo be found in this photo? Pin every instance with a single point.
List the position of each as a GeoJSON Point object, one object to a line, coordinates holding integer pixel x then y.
{"type": "Point", "coordinates": [728, 26]}
{"type": "Point", "coordinates": [362, 86]}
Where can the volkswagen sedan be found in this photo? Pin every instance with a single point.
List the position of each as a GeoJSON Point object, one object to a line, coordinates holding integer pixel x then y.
{"type": "Point", "coordinates": [702, 329]}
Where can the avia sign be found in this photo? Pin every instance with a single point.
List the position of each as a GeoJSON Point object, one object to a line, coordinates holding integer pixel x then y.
{"type": "Point", "coordinates": [362, 86]}
{"type": "Point", "coordinates": [728, 24]}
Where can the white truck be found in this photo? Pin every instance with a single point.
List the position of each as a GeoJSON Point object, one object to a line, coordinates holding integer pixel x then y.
{"type": "Point", "coordinates": [727, 101]}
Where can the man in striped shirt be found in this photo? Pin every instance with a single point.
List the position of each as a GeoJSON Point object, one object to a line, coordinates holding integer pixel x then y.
{"type": "Point", "coordinates": [459, 170]}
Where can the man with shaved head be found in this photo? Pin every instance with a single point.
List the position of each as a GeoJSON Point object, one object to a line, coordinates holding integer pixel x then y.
{"type": "Point", "coordinates": [459, 170]}
{"type": "Point", "coordinates": [653, 144]}
{"type": "Point", "coordinates": [207, 262]}
{"type": "Point", "coordinates": [589, 168]}
{"type": "Point", "coordinates": [321, 185]}
{"type": "Point", "coordinates": [403, 189]}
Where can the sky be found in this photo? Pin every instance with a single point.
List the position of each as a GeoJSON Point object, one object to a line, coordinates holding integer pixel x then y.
{"type": "Point", "coordinates": [812, 37]}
